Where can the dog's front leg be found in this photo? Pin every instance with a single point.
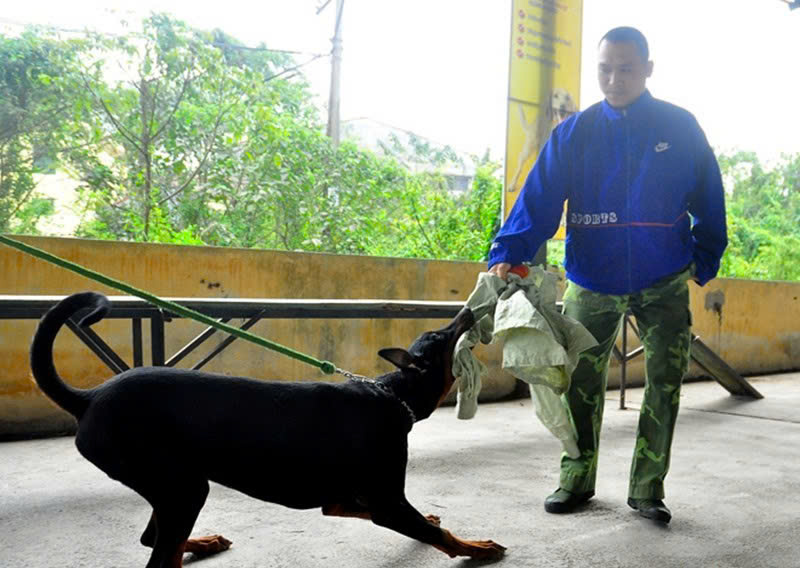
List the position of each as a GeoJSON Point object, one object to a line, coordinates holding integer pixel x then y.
{"type": "Point", "coordinates": [359, 512]}
{"type": "Point", "coordinates": [207, 545]}
{"type": "Point", "coordinates": [402, 517]}
{"type": "Point", "coordinates": [203, 546]}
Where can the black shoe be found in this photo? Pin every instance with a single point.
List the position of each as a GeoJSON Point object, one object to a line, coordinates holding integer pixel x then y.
{"type": "Point", "coordinates": [563, 501]}
{"type": "Point", "coordinates": [651, 509]}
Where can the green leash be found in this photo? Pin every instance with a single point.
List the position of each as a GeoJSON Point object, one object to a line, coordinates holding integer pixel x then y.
{"type": "Point", "coordinates": [325, 366]}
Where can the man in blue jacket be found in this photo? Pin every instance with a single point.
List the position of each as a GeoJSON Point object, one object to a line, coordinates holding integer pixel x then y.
{"type": "Point", "coordinates": [645, 213]}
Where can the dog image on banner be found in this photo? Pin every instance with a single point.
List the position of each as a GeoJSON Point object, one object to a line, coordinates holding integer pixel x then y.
{"type": "Point", "coordinates": [559, 106]}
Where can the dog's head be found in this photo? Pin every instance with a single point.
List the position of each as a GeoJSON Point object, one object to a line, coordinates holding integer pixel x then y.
{"type": "Point", "coordinates": [562, 105]}
{"type": "Point", "coordinates": [431, 354]}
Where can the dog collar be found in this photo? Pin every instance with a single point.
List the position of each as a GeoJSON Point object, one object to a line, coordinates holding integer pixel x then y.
{"type": "Point", "coordinates": [384, 387]}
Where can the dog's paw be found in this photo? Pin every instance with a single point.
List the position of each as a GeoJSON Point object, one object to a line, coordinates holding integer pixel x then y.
{"type": "Point", "coordinates": [485, 549]}
{"type": "Point", "coordinates": [207, 545]}
{"type": "Point", "coordinates": [434, 519]}
{"type": "Point", "coordinates": [477, 549]}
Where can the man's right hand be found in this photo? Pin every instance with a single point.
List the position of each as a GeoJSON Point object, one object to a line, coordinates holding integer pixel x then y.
{"type": "Point", "coordinates": [500, 269]}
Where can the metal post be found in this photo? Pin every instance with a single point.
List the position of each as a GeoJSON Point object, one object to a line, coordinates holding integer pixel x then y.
{"type": "Point", "coordinates": [136, 332]}
{"type": "Point", "coordinates": [624, 362]}
{"type": "Point", "coordinates": [336, 61]}
{"type": "Point", "coordinates": [157, 346]}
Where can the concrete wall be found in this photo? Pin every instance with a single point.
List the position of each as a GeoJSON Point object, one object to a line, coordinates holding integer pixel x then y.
{"type": "Point", "coordinates": [750, 324]}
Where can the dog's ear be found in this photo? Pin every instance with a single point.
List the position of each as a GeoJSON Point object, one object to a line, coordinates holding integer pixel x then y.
{"type": "Point", "coordinates": [398, 357]}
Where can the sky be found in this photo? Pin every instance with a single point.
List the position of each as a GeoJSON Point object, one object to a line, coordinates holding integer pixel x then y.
{"type": "Point", "coordinates": [439, 68]}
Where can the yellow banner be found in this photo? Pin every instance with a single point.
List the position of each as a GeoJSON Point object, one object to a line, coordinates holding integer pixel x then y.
{"type": "Point", "coordinates": [543, 85]}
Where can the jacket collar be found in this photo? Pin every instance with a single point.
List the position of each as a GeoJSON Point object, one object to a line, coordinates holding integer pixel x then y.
{"type": "Point", "coordinates": [634, 109]}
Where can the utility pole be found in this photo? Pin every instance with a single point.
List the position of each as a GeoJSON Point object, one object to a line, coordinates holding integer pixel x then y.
{"type": "Point", "coordinates": [336, 62]}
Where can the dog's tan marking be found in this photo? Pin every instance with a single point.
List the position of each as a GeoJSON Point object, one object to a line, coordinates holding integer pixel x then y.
{"type": "Point", "coordinates": [479, 549]}
{"type": "Point", "coordinates": [207, 545]}
{"type": "Point", "coordinates": [343, 511]}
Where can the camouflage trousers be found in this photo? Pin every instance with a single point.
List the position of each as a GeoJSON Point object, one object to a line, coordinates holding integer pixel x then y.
{"type": "Point", "coordinates": [664, 322]}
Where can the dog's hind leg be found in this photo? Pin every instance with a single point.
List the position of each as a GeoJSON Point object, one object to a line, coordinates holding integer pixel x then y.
{"type": "Point", "coordinates": [148, 537]}
{"type": "Point", "coordinates": [175, 510]}
{"type": "Point", "coordinates": [350, 509]}
{"type": "Point", "coordinates": [400, 516]}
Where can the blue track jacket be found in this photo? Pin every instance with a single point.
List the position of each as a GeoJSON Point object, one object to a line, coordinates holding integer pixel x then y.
{"type": "Point", "coordinates": [644, 193]}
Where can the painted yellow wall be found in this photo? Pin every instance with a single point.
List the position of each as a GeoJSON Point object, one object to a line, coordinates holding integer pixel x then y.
{"type": "Point", "coordinates": [756, 329]}
{"type": "Point", "coordinates": [753, 325]}
{"type": "Point", "coordinates": [179, 271]}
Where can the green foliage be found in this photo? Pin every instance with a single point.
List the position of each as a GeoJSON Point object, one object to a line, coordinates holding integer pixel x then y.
{"type": "Point", "coordinates": [184, 136]}
{"type": "Point", "coordinates": [555, 253]}
{"type": "Point", "coordinates": [161, 126]}
{"type": "Point", "coordinates": [41, 108]}
{"type": "Point", "coordinates": [30, 213]}
{"type": "Point", "coordinates": [763, 217]}
{"type": "Point", "coordinates": [452, 226]}
{"type": "Point", "coordinates": [204, 142]}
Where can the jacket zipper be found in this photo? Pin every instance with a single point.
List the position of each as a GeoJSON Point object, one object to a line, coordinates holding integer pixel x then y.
{"type": "Point", "coordinates": [626, 120]}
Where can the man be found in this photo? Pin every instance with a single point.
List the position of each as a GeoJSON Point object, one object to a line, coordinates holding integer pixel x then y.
{"type": "Point", "coordinates": [646, 213]}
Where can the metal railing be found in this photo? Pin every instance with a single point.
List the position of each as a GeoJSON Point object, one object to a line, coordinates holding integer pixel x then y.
{"type": "Point", "coordinates": [255, 309]}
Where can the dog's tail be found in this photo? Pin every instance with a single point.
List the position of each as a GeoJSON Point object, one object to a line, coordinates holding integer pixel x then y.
{"type": "Point", "coordinates": [74, 401]}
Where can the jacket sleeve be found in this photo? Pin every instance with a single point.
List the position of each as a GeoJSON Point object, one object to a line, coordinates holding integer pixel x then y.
{"type": "Point", "coordinates": [707, 208]}
{"type": "Point", "coordinates": [535, 215]}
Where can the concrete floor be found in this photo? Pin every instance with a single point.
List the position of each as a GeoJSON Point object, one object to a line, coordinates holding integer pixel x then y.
{"type": "Point", "coordinates": [734, 490]}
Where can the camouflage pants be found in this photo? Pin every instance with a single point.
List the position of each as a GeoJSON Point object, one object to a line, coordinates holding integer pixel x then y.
{"type": "Point", "coordinates": [663, 318]}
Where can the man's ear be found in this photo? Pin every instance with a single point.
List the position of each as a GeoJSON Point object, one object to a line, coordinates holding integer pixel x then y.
{"type": "Point", "coordinates": [649, 69]}
{"type": "Point", "coordinates": [398, 357]}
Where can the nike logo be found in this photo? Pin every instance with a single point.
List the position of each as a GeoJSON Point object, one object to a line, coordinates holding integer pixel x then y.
{"type": "Point", "coordinates": [662, 146]}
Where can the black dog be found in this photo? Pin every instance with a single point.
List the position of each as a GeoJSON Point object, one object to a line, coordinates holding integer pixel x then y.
{"type": "Point", "coordinates": [166, 432]}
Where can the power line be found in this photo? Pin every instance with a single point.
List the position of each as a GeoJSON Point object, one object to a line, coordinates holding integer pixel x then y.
{"type": "Point", "coordinates": [87, 31]}
{"type": "Point", "coordinates": [408, 132]}
{"type": "Point", "coordinates": [269, 49]}
{"type": "Point", "coordinates": [297, 67]}
{"type": "Point", "coordinates": [54, 28]}
{"type": "Point", "coordinates": [321, 8]}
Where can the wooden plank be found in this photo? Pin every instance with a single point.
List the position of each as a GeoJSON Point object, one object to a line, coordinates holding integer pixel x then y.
{"type": "Point", "coordinates": [34, 307]}
{"type": "Point", "coordinates": [720, 371]}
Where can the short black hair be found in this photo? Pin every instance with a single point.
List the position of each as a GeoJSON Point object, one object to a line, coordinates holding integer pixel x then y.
{"type": "Point", "coordinates": [626, 34]}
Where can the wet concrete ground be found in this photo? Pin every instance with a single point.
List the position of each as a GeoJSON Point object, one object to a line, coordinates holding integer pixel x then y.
{"type": "Point", "coordinates": [734, 490]}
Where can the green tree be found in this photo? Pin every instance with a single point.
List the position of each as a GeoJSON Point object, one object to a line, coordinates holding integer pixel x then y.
{"type": "Point", "coordinates": [206, 141]}
{"type": "Point", "coordinates": [41, 115]}
{"type": "Point", "coordinates": [213, 143]}
{"type": "Point", "coordinates": [162, 126]}
{"type": "Point", "coordinates": [434, 221]}
{"type": "Point", "coordinates": [763, 217]}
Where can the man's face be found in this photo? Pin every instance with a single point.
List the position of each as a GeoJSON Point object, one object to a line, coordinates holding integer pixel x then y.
{"type": "Point", "coordinates": [621, 72]}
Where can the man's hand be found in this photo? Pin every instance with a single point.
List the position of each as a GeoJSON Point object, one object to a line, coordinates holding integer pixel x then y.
{"type": "Point", "coordinates": [500, 269]}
